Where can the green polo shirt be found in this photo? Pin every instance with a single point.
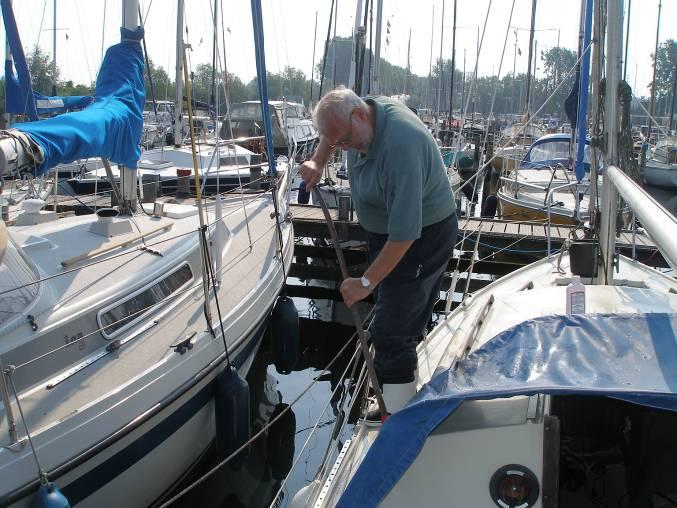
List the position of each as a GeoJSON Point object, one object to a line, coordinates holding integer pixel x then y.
{"type": "Point", "coordinates": [401, 184]}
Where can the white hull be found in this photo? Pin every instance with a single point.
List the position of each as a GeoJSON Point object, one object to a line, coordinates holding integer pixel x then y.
{"type": "Point", "coordinates": [95, 425]}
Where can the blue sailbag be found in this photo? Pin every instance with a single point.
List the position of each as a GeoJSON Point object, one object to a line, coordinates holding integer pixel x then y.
{"type": "Point", "coordinates": [20, 98]}
{"type": "Point", "coordinates": [111, 126]}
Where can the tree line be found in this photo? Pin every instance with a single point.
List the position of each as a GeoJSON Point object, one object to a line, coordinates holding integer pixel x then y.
{"type": "Point", "coordinates": [506, 94]}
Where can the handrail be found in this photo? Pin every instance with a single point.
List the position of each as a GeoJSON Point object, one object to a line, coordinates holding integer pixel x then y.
{"type": "Point", "coordinates": [548, 202]}
{"type": "Point", "coordinates": [656, 220]}
{"type": "Point", "coordinates": [7, 402]}
{"type": "Point", "coordinates": [522, 184]}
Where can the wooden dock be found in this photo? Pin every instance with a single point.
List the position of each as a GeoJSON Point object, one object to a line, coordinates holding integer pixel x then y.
{"type": "Point", "coordinates": [521, 242]}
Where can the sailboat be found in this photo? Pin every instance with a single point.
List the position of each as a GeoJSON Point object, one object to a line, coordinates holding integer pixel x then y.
{"type": "Point", "coordinates": [554, 386]}
{"type": "Point", "coordinates": [125, 335]}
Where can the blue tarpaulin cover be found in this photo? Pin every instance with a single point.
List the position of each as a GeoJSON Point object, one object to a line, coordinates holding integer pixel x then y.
{"type": "Point", "coordinates": [112, 125]}
{"type": "Point", "coordinates": [631, 357]}
{"type": "Point", "coordinates": [20, 98]}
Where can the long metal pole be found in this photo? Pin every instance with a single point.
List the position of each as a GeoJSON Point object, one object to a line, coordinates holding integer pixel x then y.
{"type": "Point", "coordinates": [364, 345]}
{"type": "Point", "coordinates": [377, 48]}
{"type": "Point", "coordinates": [407, 77]}
{"type": "Point", "coordinates": [439, 65]}
{"type": "Point", "coordinates": [430, 68]}
{"type": "Point", "coordinates": [597, 48]}
{"type": "Point", "coordinates": [178, 76]}
{"type": "Point", "coordinates": [655, 61]}
{"type": "Point", "coordinates": [531, 47]}
{"type": "Point", "coordinates": [212, 95]}
{"type": "Point", "coordinates": [581, 131]}
{"type": "Point", "coordinates": [659, 223]}
{"type": "Point", "coordinates": [356, 39]}
{"type": "Point", "coordinates": [612, 110]}
{"type": "Point", "coordinates": [128, 177]}
{"type": "Point", "coordinates": [672, 102]}
{"type": "Point", "coordinates": [627, 42]}
{"type": "Point", "coordinates": [312, 67]}
{"type": "Point", "coordinates": [453, 69]}
{"type": "Point", "coordinates": [54, 52]}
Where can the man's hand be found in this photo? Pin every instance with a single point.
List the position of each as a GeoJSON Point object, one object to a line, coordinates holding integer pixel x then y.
{"type": "Point", "coordinates": [353, 291]}
{"type": "Point", "coordinates": [311, 173]}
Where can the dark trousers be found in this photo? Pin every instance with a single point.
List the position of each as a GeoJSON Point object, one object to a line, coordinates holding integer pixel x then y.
{"type": "Point", "coordinates": [405, 298]}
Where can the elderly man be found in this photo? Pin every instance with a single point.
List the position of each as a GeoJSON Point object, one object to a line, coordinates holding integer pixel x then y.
{"type": "Point", "coordinates": [402, 197]}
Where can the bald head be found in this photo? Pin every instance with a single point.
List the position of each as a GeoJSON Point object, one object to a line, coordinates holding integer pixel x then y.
{"type": "Point", "coordinates": [336, 106]}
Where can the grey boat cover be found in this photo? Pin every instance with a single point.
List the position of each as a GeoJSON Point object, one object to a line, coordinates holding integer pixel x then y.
{"type": "Point", "coordinates": [631, 357]}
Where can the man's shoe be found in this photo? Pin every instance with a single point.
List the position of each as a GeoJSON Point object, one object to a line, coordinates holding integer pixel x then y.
{"type": "Point", "coordinates": [395, 397]}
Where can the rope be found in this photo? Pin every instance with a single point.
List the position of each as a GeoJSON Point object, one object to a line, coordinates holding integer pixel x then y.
{"type": "Point", "coordinates": [263, 430]}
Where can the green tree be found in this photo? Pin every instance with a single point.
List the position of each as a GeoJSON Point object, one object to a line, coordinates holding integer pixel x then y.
{"type": "Point", "coordinates": [665, 67]}
{"type": "Point", "coordinates": [40, 67]}
{"type": "Point", "coordinates": [162, 85]}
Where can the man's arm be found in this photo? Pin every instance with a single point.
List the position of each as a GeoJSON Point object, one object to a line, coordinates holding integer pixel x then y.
{"type": "Point", "coordinates": [311, 170]}
{"type": "Point", "coordinates": [392, 253]}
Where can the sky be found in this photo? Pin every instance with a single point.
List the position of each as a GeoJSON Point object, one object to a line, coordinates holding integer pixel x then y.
{"type": "Point", "coordinates": [85, 26]}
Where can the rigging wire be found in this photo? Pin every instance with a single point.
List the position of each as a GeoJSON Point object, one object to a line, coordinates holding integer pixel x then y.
{"type": "Point", "coordinates": [531, 120]}
{"type": "Point", "coordinates": [173, 296]}
{"type": "Point", "coordinates": [264, 429]}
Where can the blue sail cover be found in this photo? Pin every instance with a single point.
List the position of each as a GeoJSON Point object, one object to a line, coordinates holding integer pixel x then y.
{"type": "Point", "coordinates": [17, 102]}
{"type": "Point", "coordinates": [20, 98]}
{"type": "Point", "coordinates": [112, 125]}
{"type": "Point", "coordinates": [631, 357]}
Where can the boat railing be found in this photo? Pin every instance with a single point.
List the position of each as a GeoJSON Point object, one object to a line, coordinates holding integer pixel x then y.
{"type": "Point", "coordinates": [549, 203]}
{"type": "Point", "coordinates": [519, 184]}
{"type": "Point", "coordinates": [658, 222]}
{"type": "Point", "coordinates": [4, 393]}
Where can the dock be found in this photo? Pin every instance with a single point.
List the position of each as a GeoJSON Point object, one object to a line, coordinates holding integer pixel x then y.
{"type": "Point", "coordinates": [520, 242]}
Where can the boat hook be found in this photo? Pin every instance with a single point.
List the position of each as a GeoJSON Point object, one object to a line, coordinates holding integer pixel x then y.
{"type": "Point", "coordinates": [353, 310]}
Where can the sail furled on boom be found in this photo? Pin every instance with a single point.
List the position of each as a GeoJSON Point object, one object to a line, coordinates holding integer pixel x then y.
{"type": "Point", "coordinates": [111, 126]}
{"type": "Point", "coordinates": [20, 98]}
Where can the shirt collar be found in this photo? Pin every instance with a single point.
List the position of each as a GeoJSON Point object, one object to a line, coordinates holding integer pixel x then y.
{"type": "Point", "coordinates": [379, 124]}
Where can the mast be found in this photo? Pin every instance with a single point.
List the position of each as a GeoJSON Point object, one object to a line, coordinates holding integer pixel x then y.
{"type": "Point", "coordinates": [627, 42]}
{"type": "Point", "coordinates": [514, 69]}
{"type": "Point", "coordinates": [531, 46]}
{"type": "Point", "coordinates": [655, 61]}
{"type": "Point", "coordinates": [463, 92]}
{"type": "Point", "coordinates": [612, 110]}
{"type": "Point", "coordinates": [430, 68]}
{"type": "Point", "coordinates": [597, 49]}
{"type": "Point", "coordinates": [54, 52]}
{"type": "Point", "coordinates": [178, 104]}
{"type": "Point", "coordinates": [326, 52]}
{"type": "Point", "coordinates": [439, 65]}
{"type": "Point", "coordinates": [377, 48]}
{"type": "Point", "coordinates": [406, 82]}
{"type": "Point", "coordinates": [212, 95]}
{"type": "Point", "coordinates": [312, 67]}
{"type": "Point", "coordinates": [453, 69]}
{"type": "Point", "coordinates": [128, 177]}
{"type": "Point", "coordinates": [672, 102]}
{"type": "Point", "coordinates": [356, 39]}
{"type": "Point", "coordinates": [333, 45]}
{"type": "Point", "coordinates": [586, 18]}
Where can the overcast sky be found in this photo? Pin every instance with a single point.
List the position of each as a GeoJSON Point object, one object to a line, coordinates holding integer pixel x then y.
{"type": "Point", "coordinates": [84, 25]}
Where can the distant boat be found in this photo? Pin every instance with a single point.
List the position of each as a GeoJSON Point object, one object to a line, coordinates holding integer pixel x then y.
{"type": "Point", "coordinates": [523, 191]}
{"type": "Point", "coordinates": [293, 131]}
{"type": "Point", "coordinates": [661, 164]}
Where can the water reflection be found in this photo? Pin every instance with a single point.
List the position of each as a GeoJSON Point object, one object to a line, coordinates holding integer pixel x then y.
{"type": "Point", "coordinates": [271, 456]}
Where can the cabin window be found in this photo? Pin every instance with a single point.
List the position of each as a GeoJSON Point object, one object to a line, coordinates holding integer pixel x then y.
{"type": "Point", "coordinates": [123, 314]}
{"type": "Point", "coordinates": [292, 113]}
{"type": "Point", "coordinates": [554, 150]}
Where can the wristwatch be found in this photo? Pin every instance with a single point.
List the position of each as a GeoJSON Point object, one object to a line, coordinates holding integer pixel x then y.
{"type": "Point", "coordinates": [366, 283]}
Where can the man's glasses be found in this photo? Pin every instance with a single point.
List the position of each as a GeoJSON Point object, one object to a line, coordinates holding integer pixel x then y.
{"type": "Point", "coordinates": [346, 140]}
